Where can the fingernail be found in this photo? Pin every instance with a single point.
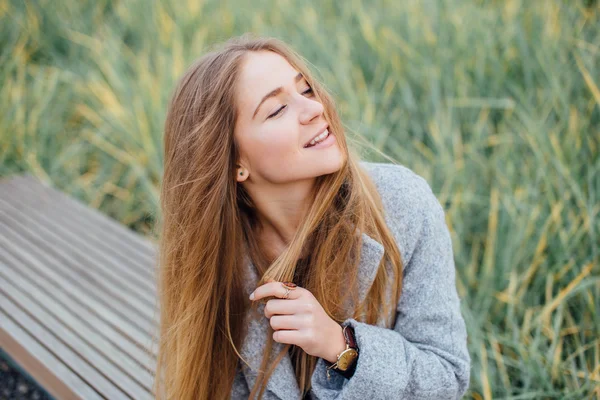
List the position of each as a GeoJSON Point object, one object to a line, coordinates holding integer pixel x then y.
{"type": "Point", "coordinates": [252, 296]}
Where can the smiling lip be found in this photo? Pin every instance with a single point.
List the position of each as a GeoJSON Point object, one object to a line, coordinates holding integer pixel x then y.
{"type": "Point", "coordinates": [328, 141]}
{"type": "Point", "coordinates": [320, 131]}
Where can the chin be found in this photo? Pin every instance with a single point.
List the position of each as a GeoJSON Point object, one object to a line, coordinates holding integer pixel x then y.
{"type": "Point", "coordinates": [330, 165]}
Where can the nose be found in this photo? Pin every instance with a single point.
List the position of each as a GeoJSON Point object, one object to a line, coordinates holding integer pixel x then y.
{"type": "Point", "coordinates": [311, 109]}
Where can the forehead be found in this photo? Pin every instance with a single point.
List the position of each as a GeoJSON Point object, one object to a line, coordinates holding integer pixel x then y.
{"type": "Point", "coordinates": [261, 72]}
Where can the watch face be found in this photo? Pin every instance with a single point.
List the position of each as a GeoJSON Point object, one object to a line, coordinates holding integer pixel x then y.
{"type": "Point", "coordinates": [346, 359]}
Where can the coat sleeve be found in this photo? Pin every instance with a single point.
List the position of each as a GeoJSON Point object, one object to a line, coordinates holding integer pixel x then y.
{"type": "Point", "coordinates": [425, 356]}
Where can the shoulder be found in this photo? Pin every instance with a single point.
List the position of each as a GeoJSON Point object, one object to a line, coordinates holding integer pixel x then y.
{"type": "Point", "coordinates": [402, 190]}
{"type": "Point", "coordinates": [397, 179]}
{"type": "Point", "coordinates": [408, 201]}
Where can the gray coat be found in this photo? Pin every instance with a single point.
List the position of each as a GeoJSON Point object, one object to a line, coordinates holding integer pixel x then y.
{"type": "Point", "coordinates": [425, 356]}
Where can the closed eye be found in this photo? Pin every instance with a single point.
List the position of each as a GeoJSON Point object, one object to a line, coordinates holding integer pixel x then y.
{"type": "Point", "coordinates": [307, 91]}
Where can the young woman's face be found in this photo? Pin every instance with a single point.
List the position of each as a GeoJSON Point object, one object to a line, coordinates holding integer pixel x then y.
{"type": "Point", "coordinates": [278, 116]}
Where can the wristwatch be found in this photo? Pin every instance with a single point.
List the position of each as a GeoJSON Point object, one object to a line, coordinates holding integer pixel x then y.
{"type": "Point", "coordinates": [346, 360]}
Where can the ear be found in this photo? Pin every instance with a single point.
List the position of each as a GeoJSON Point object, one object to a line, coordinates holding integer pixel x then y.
{"type": "Point", "coordinates": [241, 173]}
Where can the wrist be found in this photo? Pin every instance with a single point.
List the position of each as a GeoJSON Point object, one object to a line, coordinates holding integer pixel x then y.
{"type": "Point", "coordinates": [338, 346]}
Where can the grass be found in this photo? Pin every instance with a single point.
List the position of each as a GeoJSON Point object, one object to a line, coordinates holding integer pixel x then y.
{"type": "Point", "coordinates": [495, 103]}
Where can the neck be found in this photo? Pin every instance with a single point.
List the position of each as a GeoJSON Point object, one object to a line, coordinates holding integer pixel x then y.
{"type": "Point", "coordinates": [280, 209]}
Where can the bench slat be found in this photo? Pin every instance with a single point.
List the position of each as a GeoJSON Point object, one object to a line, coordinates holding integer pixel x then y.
{"type": "Point", "coordinates": [80, 325]}
{"type": "Point", "coordinates": [77, 267]}
{"type": "Point", "coordinates": [96, 380]}
{"type": "Point", "coordinates": [80, 256]}
{"type": "Point", "coordinates": [95, 366]}
{"type": "Point", "coordinates": [54, 272]}
{"type": "Point", "coordinates": [68, 213]}
{"type": "Point", "coordinates": [47, 369]}
{"type": "Point", "coordinates": [129, 236]}
{"type": "Point", "coordinates": [78, 290]}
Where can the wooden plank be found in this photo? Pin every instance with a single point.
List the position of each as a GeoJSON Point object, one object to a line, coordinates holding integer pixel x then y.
{"type": "Point", "coordinates": [99, 219]}
{"type": "Point", "coordinates": [43, 366]}
{"type": "Point", "coordinates": [82, 357]}
{"type": "Point", "coordinates": [79, 253]}
{"type": "Point", "coordinates": [78, 324]}
{"type": "Point", "coordinates": [65, 210]}
{"type": "Point", "coordinates": [100, 277]}
{"type": "Point", "coordinates": [49, 269]}
{"type": "Point", "coordinates": [96, 380]}
{"type": "Point", "coordinates": [95, 306]}
{"type": "Point", "coordinates": [87, 240]}
{"type": "Point", "coordinates": [94, 318]}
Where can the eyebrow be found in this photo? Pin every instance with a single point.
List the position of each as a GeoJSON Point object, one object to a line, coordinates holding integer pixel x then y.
{"type": "Point", "coordinates": [274, 93]}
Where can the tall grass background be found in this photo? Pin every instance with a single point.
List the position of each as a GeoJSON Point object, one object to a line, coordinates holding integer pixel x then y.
{"type": "Point", "coordinates": [495, 103]}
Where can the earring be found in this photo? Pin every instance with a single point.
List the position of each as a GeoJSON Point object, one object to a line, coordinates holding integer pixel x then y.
{"type": "Point", "coordinates": [242, 173]}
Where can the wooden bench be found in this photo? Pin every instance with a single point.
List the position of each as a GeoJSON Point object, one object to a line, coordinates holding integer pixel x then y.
{"type": "Point", "coordinates": [77, 295]}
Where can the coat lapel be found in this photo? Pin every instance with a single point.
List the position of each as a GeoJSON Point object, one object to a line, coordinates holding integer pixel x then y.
{"type": "Point", "coordinates": [283, 380]}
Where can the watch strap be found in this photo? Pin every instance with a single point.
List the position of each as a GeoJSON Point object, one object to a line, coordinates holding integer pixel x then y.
{"type": "Point", "coordinates": [349, 335]}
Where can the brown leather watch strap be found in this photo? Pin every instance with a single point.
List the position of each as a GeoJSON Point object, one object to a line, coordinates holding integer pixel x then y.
{"type": "Point", "coordinates": [349, 335]}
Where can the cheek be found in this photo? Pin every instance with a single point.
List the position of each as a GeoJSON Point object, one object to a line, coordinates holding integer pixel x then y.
{"type": "Point", "coordinates": [275, 146]}
{"type": "Point", "coordinates": [275, 154]}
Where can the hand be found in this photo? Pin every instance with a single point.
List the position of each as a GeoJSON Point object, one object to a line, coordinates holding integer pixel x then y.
{"type": "Point", "coordinates": [301, 320]}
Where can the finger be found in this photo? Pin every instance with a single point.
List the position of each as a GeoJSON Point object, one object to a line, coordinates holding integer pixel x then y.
{"type": "Point", "coordinates": [284, 322]}
{"type": "Point", "coordinates": [280, 307]}
{"type": "Point", "coordinates": [275, 289]}
{"type": "Point", "coordinates": [288, 337]}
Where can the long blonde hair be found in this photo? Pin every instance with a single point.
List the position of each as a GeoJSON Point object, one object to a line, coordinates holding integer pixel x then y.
{"type": "Point", "coordinates": [208, 222]}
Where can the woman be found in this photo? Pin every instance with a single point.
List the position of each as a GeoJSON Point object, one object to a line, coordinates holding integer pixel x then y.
{"type": "Point", "coordinates": [349, 263]}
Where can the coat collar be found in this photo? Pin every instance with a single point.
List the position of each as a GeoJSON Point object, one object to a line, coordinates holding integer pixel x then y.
{"type": "Point", "coordinates": [283, 380]}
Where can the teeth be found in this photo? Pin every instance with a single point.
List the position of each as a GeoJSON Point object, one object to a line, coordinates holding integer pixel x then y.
{"type": "Point", "coordinates": [320, 137]}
